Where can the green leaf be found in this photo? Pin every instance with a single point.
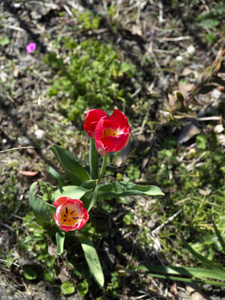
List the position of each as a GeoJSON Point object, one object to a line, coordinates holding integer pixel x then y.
{"type": "Point", "coordinates": [4, 40]}
{"type": "Point", "coordinates": [67, 288]}
{"type": "Point", "coordinates": [118, 189]}
{"type": "Point", "coordinates": [83, 287]}
{"type": "Point", "coordinates": [76, 173]}
{"type": "Point", "coordinates": [186, 271]}
{"type": "Point", "coordinates": [174, 278]}
{"type": "Point", "coordinates": [219, 236]}
{"type": "Point", "coordinates": [209, 23]}
{"type": "Point", "coordinates": [201, 141]}
{"type": "Point", "coordinates": [42, 209]}
{"type": "Point", "coordinates": [206, 89]}
{"type": "Point", "coordinates": [90, 199]}
{"type": "Point", "coordinates": [127, 219]}
{"type": "Point", "coordinates": [93, 160]}
{"type": "Point", "coordinates": [92, 259]}
{"type": "Point", "coordinates": [89, 184]}
{"type": "Point", "coordinates": [56, 175]}
{"type": "Point", "coordinates": [206, 262]}
{"type": "Point", "coordinates": [180, 97]}
{"type": "Point", "coordinates": [71, 191]}
{"type": "Point", "coordinates": [49, 274]}
{"type": "Point", "coordinates": [60, 238]}
{"type": "Point", "coordinates": [29, 273]}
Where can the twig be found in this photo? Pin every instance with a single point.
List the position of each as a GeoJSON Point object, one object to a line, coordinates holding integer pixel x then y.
{"type": "Point", "coordinates": [206, 6]}
{"type": "Point", "coordinates": [28, 292]}
{"type": "Point", "coordinates": [135, 93]}
{"type": "Point", "coordinates": [167, 221]}
{"type": "Point", "coordinates": [17, 148]}
{"type": "Point", "coordinates": [215, 118]}
{"type": "Point", "coordinates": [160, 12]}
{"type": "Point", "coordinates": [9, 262]}
{"type": "Point", "coordinates": [14, 27]}
{"type": "Point", "coordinates": [176, 39]}
{"type": "Point", "coordinates": [68, 10]}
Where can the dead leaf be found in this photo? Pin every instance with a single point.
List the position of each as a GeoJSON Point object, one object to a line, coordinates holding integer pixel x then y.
{"type": "Point", "coordinates": [188, 132]}
{"type": "Point", "coordinates": [28, 173]}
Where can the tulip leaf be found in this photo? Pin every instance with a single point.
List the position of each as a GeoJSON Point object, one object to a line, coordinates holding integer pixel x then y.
{"type": "Point", "coordinates": [76, 173]}
{"type": "Point", "coordinates": [92, 259]}
{"type": "Point", "coordinates": [93, 160]}
{"type": "Point", "coordinates": [56, 175]}
{"type": "Point", "coordinates": [112, 190]}
{"type": "Point", "coordinates": [89, 184]}
{"type": "Point", "coordinates": [42, 209]}
{"type": "Point", "coordinates": [71, 191]}
{"type": "Point", "coordinates": [90, 199]}
{"type": "Point", "coordinates": [60, 238]}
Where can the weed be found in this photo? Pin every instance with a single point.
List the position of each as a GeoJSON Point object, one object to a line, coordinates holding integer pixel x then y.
{"type": "Point", "coordinates": [87, 74]}
{"type": "Point", "coordinates": [213, 22]}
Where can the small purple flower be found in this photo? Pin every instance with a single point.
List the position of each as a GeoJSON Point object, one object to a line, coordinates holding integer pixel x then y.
{"type": "Point", "coordinates": [31, 47]}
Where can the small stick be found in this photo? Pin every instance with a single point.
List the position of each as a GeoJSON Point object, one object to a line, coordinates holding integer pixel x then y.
{"type": "Point", "coordinates": [17, 148]}
{"type": "Point", "coordinates": [9, 262]}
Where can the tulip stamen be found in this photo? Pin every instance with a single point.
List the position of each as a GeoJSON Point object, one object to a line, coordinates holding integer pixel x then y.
{"type": "Point", "coordinates": [72, 211]}
{"type": "Point", "coordinates": [75, 218]}
{"type": "Point", "coordinates": [67, 210]}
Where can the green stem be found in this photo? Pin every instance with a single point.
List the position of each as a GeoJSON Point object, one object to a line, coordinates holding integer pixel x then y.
{"type": "Point", "coordinates": [60, 238]}
{"type": "Point", "coordinates": [103, 168]}
{"type": "Point", "coordinates": [93, 160]}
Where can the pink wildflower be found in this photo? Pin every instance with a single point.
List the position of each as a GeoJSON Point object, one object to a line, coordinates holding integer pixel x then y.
{"type": "Point", "coordinates": [31, 47]}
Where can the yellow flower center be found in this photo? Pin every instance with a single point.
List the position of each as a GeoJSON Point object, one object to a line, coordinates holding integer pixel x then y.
{"type": "Point", "coordinates": [109, 132]}
{"type": "Point", "coordinates": [68, 216]}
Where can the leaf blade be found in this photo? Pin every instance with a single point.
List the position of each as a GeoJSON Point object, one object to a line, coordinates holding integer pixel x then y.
{"type": "Point", "coordinates": [71, 191]}
{"type": "Point", "coordinates": [92, 260]}
{"type": "Point", "coordinates": [42, 209]}
{"type": "Point", "coordinates": [76, 173]}
{"type": "Point", "coordinates": [120, 189]}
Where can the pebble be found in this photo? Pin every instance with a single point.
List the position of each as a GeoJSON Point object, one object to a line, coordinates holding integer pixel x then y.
{"type": "Point", "coordinates": [39, 134]}
{"type": "Point", "coordinates": [191, 50]}
{"type": "Point", "coordinates": [24, 141]}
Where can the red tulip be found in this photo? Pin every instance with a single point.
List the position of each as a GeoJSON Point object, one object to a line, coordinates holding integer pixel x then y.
{"type": "Point", "coordinates": [111, 134]}
{"type": "Point", "coordinates": [70, 214]}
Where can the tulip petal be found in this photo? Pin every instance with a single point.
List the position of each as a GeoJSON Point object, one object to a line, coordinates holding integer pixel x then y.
{"type": "Point", "coordinates": [91, 120]}
{"type": "Point", "coordinates": [60, 201]}
{"type": "Point", "coordinates": [119, 117]}
{"type": "Point", "coordinates": [100, 147]}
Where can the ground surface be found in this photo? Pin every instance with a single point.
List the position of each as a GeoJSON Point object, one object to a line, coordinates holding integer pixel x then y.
{"type": "Point", "coordinates": [164, 43]}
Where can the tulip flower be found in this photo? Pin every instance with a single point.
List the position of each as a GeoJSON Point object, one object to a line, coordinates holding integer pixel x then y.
{"type": "Point", "coordinates": [111, 134]}
{"type": "Point", "coordinates": [70, 214]}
